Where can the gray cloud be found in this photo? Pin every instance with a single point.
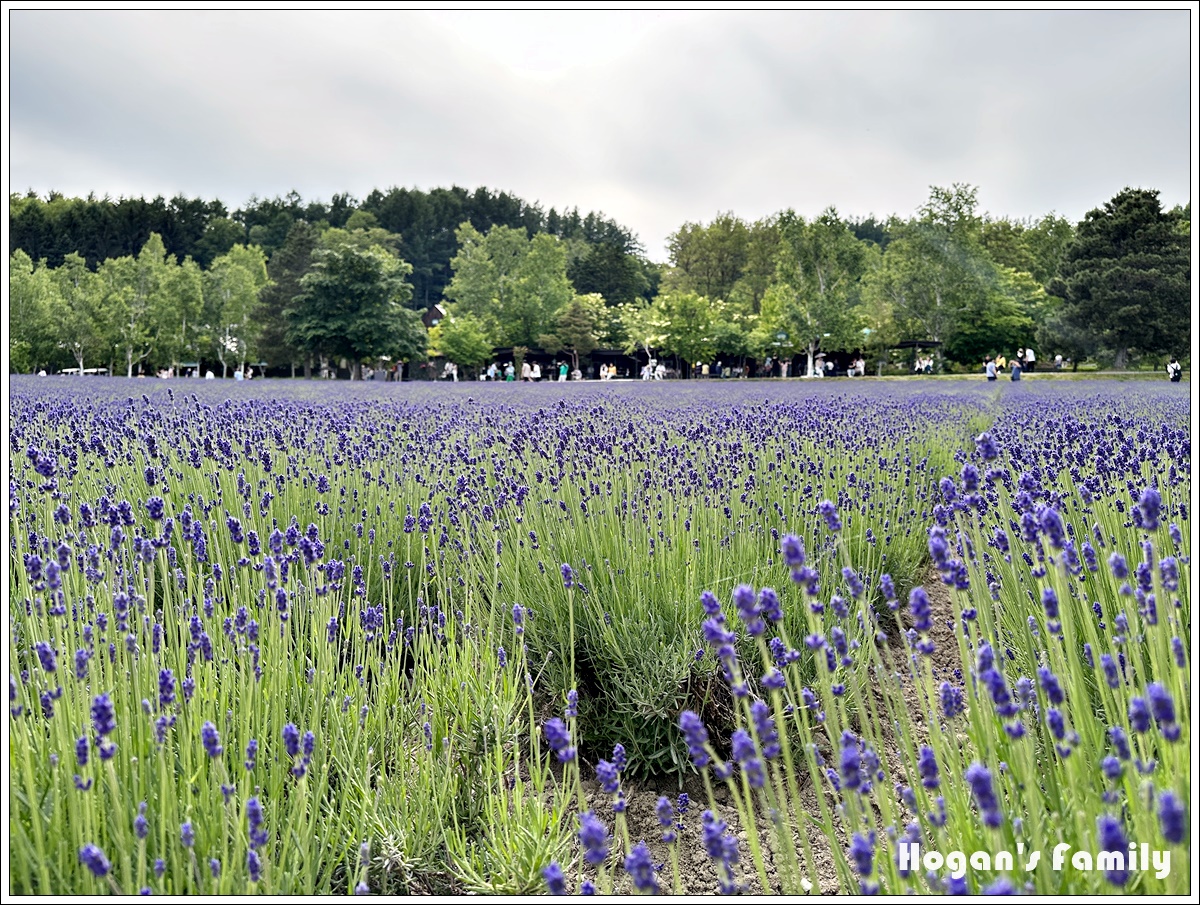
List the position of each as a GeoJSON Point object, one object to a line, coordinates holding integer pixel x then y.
{"type": "Point", "coordinates": [653, 118]}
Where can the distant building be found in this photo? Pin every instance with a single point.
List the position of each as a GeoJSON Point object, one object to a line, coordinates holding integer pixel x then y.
{"type": "Point", "coordinates": [431, 317]}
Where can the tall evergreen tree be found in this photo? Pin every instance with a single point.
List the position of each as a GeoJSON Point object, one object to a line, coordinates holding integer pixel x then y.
{"type": "Point", "coordinates": [1127, 276]}
{"type": "Point", "coordinates": [286, 269]}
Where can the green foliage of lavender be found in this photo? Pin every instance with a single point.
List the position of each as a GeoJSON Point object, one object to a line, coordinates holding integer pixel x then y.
{"type": "Point", "coordinates": [304, 641]}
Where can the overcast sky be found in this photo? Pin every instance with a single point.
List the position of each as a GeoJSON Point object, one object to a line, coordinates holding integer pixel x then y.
{"type": "Point", "coordinates": [653, 118]}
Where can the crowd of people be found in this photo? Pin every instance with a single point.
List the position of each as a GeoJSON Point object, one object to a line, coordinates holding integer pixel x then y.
{"type": "Point", "coordinates": [1024, 360]}
{"type": "Point", "coordinates": [531, 372]}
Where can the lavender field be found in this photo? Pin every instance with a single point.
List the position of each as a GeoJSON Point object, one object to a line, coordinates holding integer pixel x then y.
{"type": "Point", "coordinates": [307, 638]}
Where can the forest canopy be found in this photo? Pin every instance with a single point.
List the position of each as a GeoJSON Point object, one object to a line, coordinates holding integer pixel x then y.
{"type": "Point", "coordinates": [135, 283]}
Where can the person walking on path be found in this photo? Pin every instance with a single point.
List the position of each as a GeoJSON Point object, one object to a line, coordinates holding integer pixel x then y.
{"type": "Point", "coordinates": [1030, 361]}
{"type": "Point", "coordinates": [1174, 370]}
{"type": "Point", "coordinates": [990, 368]}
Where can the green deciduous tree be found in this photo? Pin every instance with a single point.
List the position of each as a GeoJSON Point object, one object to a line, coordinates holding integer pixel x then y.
{"type": "Point", "coordinates": [937, 278]}
{"type": "Point", "coordinates": [232, 288]}
{"type": "Point", "coordinates": [758, 270]}
{"type": "Point", "coordinates": [461, 340]}
{"type": "Point", "coordinates": [353, 306]}
{"type": "Point", "coordinates": [686, 323]}
{"type": "Point", "coordinates": [136, 291]}
{"type": "Point", "coordinates": [77, 314]}
{"type": "Point", "coordinates": [512, 285]}
{"type": "Point", "coordinates": [485, 273]}
{"type": "Point", "coordinates": [708, 260]}
{"type": "Point", "coordinates": [1047, 241]}
{"type": "Point", "coordinates": [1127, 276]}
{"type": "Point", "coordinates": [814, 298]}
{"type": "Point", "coordinates": [179, 329]}
{"type": "Point", "coordinates": [33, 295]}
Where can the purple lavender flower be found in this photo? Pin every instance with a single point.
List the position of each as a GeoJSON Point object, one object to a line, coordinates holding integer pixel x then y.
{"type": "Point", "coordinates": [640, 867]}
{"type": "Point", "coordinates": [952, 700]}
{"type": "Point", "coordinates": [291, 739]}
{"type": "Point", "coordinates": [1149, 505]}
{"type": "Point", "coordinates": [254, 820]}
{"type": "Point", "coordinates": [862, 853]}
{"type": "Point", "coordinates": [927, 765]}
{"type": "Point", "coordinates": [828, 511]}
{"type": "Point", "coordinates": [211, 740]}
{"type": "Point", "coordinates": [986, 446]}
{"type": "Point", "coordinates": [793, 551]}
{"type": "Point", "coordinates": [45, 654]}
{"type": "Point", "coordinates": [103, 719]}
{"type": "Point", "coordinates": [594, 838]}
{"type": "Point", "coordinates": [746, 754]}
{"type": "Point", "coordinates": [1170, 573]}
{"type": "Point", "coordinates": [1052, 526]}
{"type": "Point", "coordinates": [1112, 839]}
{"type": "Point", "coordinates": [696, 736]}
{"type": "Point", "coordinates": [1117, 565]}
{"type": "Point", "coordinates": [91, 857]}
{"type": "Point", "coordinates": [1109, 667]}
{"type": "Point", "coordinates": [922, 611]}
{"type": "Point", "coordinates": [748, 610]}
{"type": "Point", "coordinates": [555, 881]}
{"type": "Point", "coordinates": [251, 754]}
{"type": "Point", "coordinates": [608, 776]}
{"type": "Point", "coordinates": [980, 780]}
{"type": "Point", "coordinates": [851, 762]}
{"type": "Point", "coordinates": [1002, 886]}
{"type": "Point", "coordinates": [1139, 715]}
{"type": "Point", "coordinates": [1172, 817]}
{"type": "Point", "coordinates": [1163, 709]}
{"type": "Point", "coordinates": [559, 739]}
{"type": "Point", "coordinates": [665, 813]}
{"type": "Point", "coordinates": [1117, 735]}
{"type": "Point", "coordinates": [1050, 685]}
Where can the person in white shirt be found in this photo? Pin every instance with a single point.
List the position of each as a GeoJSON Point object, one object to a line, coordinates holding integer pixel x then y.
{"type": "Point", "coordinates": [1030, 360]}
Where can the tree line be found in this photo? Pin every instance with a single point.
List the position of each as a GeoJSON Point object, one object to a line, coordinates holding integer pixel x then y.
{"type": "Point", "coordinates": [605, 257]}
{"type": "Point", "coordinates": [303, 283]}
{"type": "Point", "coordinates": [951, 277]}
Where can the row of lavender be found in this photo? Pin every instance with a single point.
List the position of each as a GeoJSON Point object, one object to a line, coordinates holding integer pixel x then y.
{"type": "Point", "coordinates": [1055, 757]}
{"type": "Point", "coordinates": [245, 632]}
